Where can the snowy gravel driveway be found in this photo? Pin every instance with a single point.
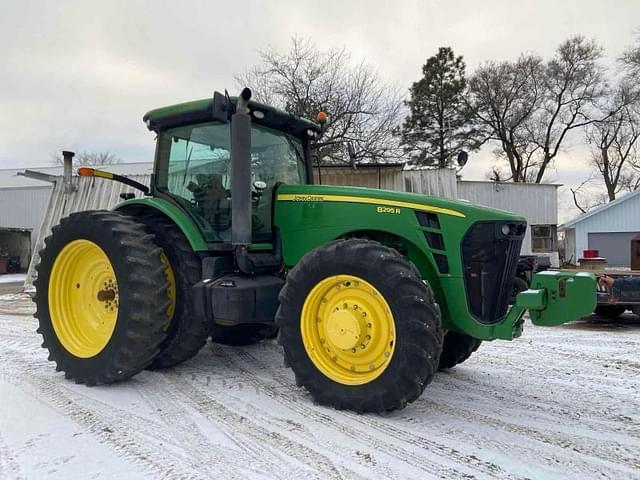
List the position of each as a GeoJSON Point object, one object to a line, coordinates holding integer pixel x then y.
{"type": "Point", "coordinates": [559, 402]}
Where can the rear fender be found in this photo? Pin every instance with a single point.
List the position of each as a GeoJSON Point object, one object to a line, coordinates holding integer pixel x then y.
{"type": "Point", "coordinates": [177, 215]}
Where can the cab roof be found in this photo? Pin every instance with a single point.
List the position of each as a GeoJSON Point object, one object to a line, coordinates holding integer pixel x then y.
{"type": "Point", "coordinates": [200, 111]}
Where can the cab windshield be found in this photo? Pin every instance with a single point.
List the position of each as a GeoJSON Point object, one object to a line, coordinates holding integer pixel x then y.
{"type": "Point", "coordinates": [194, 168]}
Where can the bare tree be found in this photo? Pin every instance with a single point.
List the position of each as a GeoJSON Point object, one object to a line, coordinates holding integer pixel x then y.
{"type": "Point", "coordinates": [588, 195]}
{"type": "Point", "coordinates": [630, 60]}
{"type": "Point", "coordinates": [529, 107]}
{"type": "Point", "coordinates": [614, 143]}
{"type": "Point", "coordinates": [362, 109]}
{"type": "Point", "coordinates": [504, 95]}
{"type": "Point", "coordinates": [573, 86]}
{"type": "Point", "coordinates": [89, 158]}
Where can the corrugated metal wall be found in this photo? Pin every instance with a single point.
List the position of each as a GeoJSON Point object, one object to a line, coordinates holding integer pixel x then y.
{"type": "Point", "coordinates": [538, 203]}
{"type": "Point", "coordinates": [435, 182]}
{"type": "Point", "coordinates": [24, 207]}
{"type": "Point", "coordinates": [92, 193]}
{"type": "Point", "coordinates": [439, 183]}
{"type": "Point", "coordinates": [373, 177]}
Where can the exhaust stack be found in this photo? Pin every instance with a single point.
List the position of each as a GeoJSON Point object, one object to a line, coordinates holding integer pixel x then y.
{"type": "Point", "coordinates": [241, 171]}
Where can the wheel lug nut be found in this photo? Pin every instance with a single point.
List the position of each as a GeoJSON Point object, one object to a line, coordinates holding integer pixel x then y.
{"type": "Point", "coordinates": [386, 354]}
{"type": "Point", "coordinates": [344, 305]}
{"type": "Point", "coordinates": [368, 325]}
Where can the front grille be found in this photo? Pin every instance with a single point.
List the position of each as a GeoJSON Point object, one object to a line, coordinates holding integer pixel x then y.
{"type": "Point", "coordinates": [490, 258]}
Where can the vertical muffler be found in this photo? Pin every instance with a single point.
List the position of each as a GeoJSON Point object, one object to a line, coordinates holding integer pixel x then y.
{"type": "Point", "coordinates": [241, 171]}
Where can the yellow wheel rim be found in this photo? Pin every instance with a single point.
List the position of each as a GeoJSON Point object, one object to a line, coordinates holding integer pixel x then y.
{"type": "Point", "coordinates": [83, 298]}
{"type": "Point", "coordinates": [348, 330]}
{"type": "Point", "coordinates": [171, 290]}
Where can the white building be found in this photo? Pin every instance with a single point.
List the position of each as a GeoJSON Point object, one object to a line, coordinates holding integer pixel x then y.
{"type": "Point", "coordinates": [537, 203]}
{"type": "Point", "coordinates": [23, 204]}
{"type": "Point", "coordinates": [608, 229]}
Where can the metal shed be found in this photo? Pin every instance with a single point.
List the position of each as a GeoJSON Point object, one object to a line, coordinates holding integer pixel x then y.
{"type": "Point", "coordinates": [536, 202]}
{"type": "Point", "coordinates": [23, 201]}
{"type": "Point", "coordinates": [608, 228]}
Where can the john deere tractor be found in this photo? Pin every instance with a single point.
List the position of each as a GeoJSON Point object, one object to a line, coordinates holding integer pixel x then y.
{"type": "Point", "coordinates": [372, 291]}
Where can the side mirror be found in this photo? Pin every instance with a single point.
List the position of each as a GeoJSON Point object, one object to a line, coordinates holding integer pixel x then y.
{"type": "Point", "coordinates": [462, 158]}
{"type": "Point", "coordinates": [221, 109]}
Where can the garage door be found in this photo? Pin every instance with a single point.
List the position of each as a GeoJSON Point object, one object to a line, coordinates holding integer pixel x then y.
{"type": "Point", "coordinates": [614, 246]}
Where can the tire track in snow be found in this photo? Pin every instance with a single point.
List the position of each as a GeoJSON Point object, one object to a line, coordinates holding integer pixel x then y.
{"type": "Point", "coordinates": [362, 458]}
{"type": "Point", "coordinates": [293, 401]}
{"type": "Point", "coordinates": [217, 412]}
{"type": "Point", "coordinates": [123, 443]}
{"type": "Point", "coordinates": [585, 447]}
{"type": "Point", "coordinates": [550, 438]}
{"type": "Point", "coordinates": [258, 460]}
{"type": "Point", "coordinates": [9, 467]}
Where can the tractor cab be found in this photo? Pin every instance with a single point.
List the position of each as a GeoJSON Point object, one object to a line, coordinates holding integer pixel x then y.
{"type": "Point", "coordinates": [193, 164]}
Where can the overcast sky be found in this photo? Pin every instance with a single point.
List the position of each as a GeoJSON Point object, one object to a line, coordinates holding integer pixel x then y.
{"type": "Point", "coordinates": [80, 75]}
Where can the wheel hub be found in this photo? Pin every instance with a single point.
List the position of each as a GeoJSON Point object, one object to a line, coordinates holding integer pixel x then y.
{"type": "Point", "coordinates": [344, 330]}
{"type": "Point", "coordinates": [348, 329]}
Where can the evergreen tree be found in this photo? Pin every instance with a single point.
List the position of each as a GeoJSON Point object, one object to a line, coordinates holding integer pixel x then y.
{"type": "Point", "coordinates": [439, 124]}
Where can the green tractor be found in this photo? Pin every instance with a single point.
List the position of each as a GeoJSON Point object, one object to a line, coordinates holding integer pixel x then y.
{"type": "Point", "coordinates": [371, 291]}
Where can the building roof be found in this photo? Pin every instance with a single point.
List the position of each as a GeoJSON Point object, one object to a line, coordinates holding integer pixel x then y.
{"type": "Point", "coordinates": [601, 208]}
{"type": "Point", "coordinates": [361, 165]}
{"type": "Point", "coordinates": [9, 177]}
{"type": "Point", "coordinates": [519, 184]}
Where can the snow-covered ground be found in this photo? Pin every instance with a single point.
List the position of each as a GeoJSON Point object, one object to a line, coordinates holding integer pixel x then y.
{"type": "Point", "coordinates": [559, 402]}
{"type": "Point", "coordinates": [12, 277]}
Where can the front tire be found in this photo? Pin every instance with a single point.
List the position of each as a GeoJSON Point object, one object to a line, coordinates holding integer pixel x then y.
{"type": "Point", "coordinates": [457, 348]}
{"type": "Point", "coordinates": [101, 297]}
{"type": "Point", "coordinates": [359, 327]}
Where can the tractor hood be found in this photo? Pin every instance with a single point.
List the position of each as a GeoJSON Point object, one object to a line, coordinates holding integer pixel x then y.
{"type": "Point", "coordinates": [386, 198]}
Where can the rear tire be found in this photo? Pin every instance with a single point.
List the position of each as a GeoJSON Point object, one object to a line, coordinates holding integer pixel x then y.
{"type": "Point", "coordinates": [122, 274]}
{"type": "Point", "coordinates": [610, 311]}
{"type": "Point", "coordinates": [241, 335]}
{"type": "Point", "coordinates": [347, 279]}
{"type": "Point", "coordinates": [187, 332]}
{"type": "Point", "coordinates": [457, 348]}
